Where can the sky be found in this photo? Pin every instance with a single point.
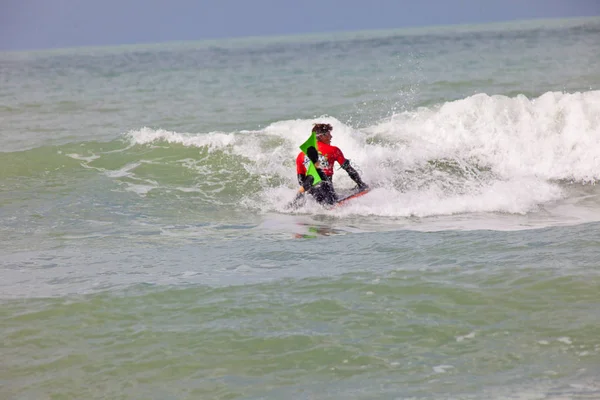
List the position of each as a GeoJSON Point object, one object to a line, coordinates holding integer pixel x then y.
{"type": "Point", "coordinates": [42, 24]}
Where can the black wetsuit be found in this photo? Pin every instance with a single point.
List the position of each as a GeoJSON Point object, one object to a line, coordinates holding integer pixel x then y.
{"type": "Point", "coordinates": [323, 191]}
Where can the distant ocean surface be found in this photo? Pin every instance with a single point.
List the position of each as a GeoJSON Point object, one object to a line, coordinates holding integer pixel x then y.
{"type": "Point", "coordinates": [146, 250]}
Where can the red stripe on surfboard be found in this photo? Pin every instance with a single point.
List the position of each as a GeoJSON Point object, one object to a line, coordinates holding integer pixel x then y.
{"type": "Point", "coordinates": [353, 196]}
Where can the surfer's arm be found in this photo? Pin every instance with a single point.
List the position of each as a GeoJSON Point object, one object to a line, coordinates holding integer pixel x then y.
{"type": "Point", "coordinates": [306, 182]}
{"type": "Point", "coordinates": [301, 178]}
{"type": "Point", "coordinates": [353, 174]}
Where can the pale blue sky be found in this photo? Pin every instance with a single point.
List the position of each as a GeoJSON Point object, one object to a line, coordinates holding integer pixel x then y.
{"type": "Point", "coordinates": [38, 24]}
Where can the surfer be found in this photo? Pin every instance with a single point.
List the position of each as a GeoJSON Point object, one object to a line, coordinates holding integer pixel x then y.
{"type": "Point", "coordinates": [323, 158]}
{"type": "Point", "coordinates": [318, 185]}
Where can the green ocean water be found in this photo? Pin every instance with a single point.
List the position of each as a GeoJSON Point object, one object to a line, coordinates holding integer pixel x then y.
{"type": "Point", "coordinates": [147, 251]}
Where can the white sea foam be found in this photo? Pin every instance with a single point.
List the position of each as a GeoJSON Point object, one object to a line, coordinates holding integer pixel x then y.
{"type": "Point", "coordinates": [212, 140]}
{"type": "Point", "coordinates": [87, 159]}
{"type": "Point", "coordinates": [556, 136]}
{"type": "Point", "coordinates": [124, 171]}
{"type": "Point", "coordinates": [141, 190]}
{"type": "Point", "coordinates": [468, 336]}
{"type": "Point", "coordinates": [480, 154]}
{"type": "Point", "coordinates": [442, 369]}
{"type": "Point", "coordinates": [564, 340]}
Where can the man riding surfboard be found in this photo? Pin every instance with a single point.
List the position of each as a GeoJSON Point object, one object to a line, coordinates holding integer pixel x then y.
{"type": "Point", "coordinates": [314, 166]}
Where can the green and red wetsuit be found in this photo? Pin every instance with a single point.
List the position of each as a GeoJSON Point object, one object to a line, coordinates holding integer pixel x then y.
{"type": "Point", "coordinates": [328, 155]}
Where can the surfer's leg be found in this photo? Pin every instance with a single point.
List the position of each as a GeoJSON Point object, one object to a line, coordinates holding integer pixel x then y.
{"type": "Point", "coordinates": [326, 193]}
{"type": "Point", "coordinates": [331, 196]}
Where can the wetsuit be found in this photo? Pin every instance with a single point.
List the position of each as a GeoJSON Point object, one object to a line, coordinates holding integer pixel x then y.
{"type": "Point", "coordinates": [324, 192]}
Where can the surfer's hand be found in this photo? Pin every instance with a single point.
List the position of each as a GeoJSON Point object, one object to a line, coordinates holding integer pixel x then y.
{"type": "Point", "coordinates": [298, 200]}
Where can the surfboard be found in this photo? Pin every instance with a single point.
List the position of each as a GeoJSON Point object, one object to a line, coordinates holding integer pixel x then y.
{"type": "Point", "coordinates": [353, 195]}
{"type": "Point", "coordinates": [345, 197]}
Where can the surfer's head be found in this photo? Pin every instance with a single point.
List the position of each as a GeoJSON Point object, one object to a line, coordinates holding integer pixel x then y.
{"type": "Point", "coordinates": [323, 132]}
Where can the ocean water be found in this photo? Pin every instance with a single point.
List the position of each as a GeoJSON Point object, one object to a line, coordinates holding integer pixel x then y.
{"type": "Point", "coordinates": [147, 252]}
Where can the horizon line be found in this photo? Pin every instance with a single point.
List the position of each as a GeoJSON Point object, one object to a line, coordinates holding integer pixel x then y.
{"type": "Point", "coordinates": [301, 34]}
